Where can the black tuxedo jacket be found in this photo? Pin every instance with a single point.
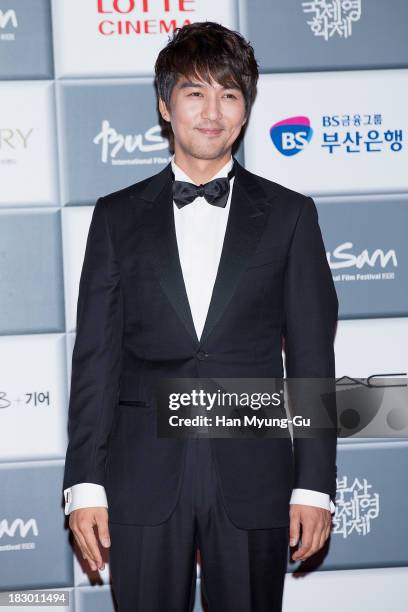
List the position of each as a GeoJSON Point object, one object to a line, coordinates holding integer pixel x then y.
{"type": "Point", "coordinates": [134, 326]}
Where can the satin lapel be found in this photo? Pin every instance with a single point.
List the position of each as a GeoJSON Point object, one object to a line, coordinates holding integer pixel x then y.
{"type": "Point", "coordinates": [246, 222]}
{"type": "Point", "coordinates": [249, 211]}
{"type": "Point", "coordinates": [161, 236]}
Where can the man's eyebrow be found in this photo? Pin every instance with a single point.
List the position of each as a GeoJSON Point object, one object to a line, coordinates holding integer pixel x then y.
{"type": "Point", "coordinates": [186, 84]}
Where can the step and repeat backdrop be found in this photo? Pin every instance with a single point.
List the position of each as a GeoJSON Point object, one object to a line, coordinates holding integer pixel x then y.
{"type": "Point", "coordinates": [78, 119]}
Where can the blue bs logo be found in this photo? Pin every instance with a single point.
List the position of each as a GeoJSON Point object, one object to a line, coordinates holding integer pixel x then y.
{"type": "Point", "coordinates": [290, 136]}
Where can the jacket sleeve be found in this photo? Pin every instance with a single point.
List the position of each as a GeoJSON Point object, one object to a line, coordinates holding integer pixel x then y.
{"type": "Point", "coordinates": [96, 357]}
{"type": "Point", "coordinates": [311, 310]}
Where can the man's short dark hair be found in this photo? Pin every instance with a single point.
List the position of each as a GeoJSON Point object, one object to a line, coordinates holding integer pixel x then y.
{"type": "Point", "coordinates": [205, 50]}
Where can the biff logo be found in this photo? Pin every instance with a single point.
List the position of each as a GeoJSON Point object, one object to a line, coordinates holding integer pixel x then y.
{"type": "Point", "coordinates": [290, 136]}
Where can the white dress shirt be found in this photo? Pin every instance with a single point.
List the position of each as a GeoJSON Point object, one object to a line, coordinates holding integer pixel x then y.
{"type": "Point", "coordinates": [200, 230]}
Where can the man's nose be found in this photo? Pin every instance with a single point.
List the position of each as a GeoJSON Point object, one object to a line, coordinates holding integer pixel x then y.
{"type": "Point", "coordinates": [211, 109]}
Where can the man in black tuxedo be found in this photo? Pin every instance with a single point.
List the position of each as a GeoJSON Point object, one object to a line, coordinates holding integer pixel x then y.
{"type": "Point", "coordinates": [200, 270]}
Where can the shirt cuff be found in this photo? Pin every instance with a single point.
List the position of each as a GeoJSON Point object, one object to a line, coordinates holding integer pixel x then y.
{"type": "Point", "coordinates": [84, 495]}
{"type": "Point", "coordinates": [309, 497]}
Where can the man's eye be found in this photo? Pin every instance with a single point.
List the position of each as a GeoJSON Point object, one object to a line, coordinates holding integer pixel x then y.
{"type": "Point", "coordinates": [232, 96]}
{"type": "Point", "coordinates": [195, 92]}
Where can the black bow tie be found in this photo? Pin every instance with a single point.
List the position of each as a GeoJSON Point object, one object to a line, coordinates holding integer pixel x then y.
{"type": "Point", "coordinates": [215, 191]}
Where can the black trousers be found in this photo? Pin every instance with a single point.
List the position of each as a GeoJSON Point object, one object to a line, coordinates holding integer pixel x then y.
{"type": "Point", "coordinates": [153, 568]}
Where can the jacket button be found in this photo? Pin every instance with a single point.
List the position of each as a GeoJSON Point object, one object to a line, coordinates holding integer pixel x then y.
{"type": "Point", "coordinates": [201, 355]}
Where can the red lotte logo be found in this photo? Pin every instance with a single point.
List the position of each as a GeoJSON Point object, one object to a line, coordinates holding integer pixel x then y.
{"type": "Point", "coordinates": [143, 16]}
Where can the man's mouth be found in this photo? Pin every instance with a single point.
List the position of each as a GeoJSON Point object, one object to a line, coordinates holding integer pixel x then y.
{"type": "Point", "coordinates": [210, 131]}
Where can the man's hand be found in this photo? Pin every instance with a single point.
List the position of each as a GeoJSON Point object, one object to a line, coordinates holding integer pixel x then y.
{"type": "Point", "coordinates": [81, 522]}
{"type": "Point", "coordinates": [316, 526]}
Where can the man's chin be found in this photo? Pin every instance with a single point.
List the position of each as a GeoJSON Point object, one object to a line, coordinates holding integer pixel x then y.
{"type": "Point", "coordinates": [212, 152]}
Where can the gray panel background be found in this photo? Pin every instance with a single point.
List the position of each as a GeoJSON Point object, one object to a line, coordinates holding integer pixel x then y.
{"type": "Point", "coordinates": [34, 491]}
{"type": "Point", "coordinates": [369, 225]}
{"type": "Point", "coordinates": [130, 108]}
{"type": "Point", "coordinates": [384, 466]}
{"type": "Point", "coordinates": [31, 272]}
{"type": "Point", "coordinates": [284, 41]}
{"type": "Point", "coordinates": [30, 55]}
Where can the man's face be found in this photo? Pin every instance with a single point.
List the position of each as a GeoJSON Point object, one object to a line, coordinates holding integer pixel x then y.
{"type": "Point", "coordinates": [206, 118]}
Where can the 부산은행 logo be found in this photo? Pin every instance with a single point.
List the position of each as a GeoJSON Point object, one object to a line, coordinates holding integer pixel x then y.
{"type": "Point", "coordinates": [291, 135]}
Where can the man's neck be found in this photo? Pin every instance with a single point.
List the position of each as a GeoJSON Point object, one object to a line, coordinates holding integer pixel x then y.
{"type": "Point", "coordinates": [200, 170]}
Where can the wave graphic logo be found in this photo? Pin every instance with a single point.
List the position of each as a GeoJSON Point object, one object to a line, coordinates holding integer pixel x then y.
{"type": "Point", "coordinates": [290, 136]}
{"type": "Point", "coordinates": [18, 526]}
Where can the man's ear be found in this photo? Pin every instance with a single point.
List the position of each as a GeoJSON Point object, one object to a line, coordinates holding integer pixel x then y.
{"type": "Point", "coordinates": [163, 110]}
